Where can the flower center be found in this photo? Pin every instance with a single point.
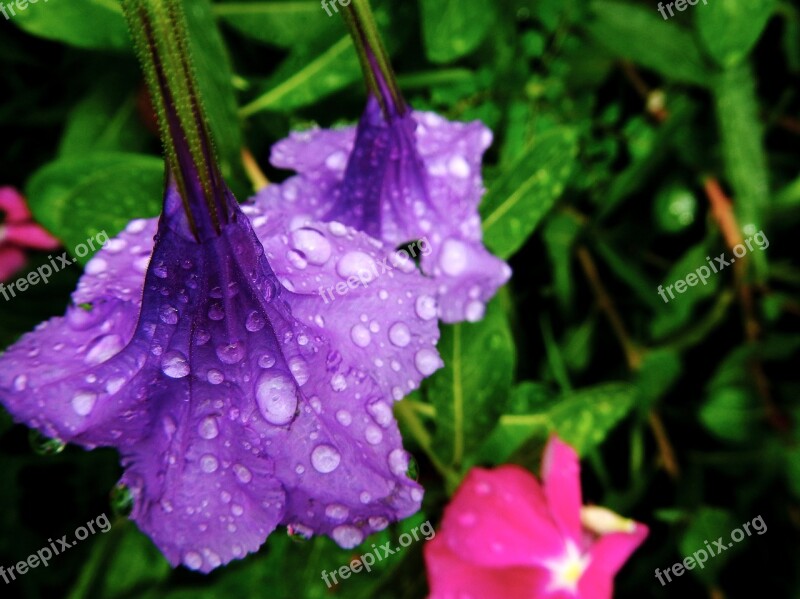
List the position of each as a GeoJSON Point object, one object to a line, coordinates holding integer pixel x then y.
{"type": "Point", "coordinates": [567, 571]}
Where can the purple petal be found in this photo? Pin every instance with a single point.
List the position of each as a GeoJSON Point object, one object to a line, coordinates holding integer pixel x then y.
{"type": "Point", "coordinates": [233, 413]}
{"type": "Point", "coordinates": [417, 177]}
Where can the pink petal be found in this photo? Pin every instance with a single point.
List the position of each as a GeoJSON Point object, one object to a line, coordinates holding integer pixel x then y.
{"type": "Point", "coordinates": [500, 518]}
{"type": "Point", "coordinates": [562, 487]}
{"type": "Point", "coordinates": [611, 551]}
{"type": "Point", "coordinates": [30, 235]}
{"type": "Point", "coordinates": [449, 576]}
{"type": "Point", "coordinates": [12, 260]}
{"type": "Point", "coordinates": [13, 204]}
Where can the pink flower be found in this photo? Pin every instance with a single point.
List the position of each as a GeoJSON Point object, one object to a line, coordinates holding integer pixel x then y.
{"type": "Point", "coordinates": [506, 535]}
{"type": "Point", "coordinates": [18, 232]}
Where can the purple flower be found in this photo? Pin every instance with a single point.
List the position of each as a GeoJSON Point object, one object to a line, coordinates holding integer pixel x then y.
{"type": "Point", "coordinates": [400, 176]}
{"type": "Point", "coordinates": [237, 396]}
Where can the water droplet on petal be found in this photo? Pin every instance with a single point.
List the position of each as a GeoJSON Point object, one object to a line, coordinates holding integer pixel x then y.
{"type": "Point", "coordinates": [215, 312]}
{"type": "Point", "coordinates": [193, 560]}
{"type": "Point", "coordinates": [381, 412]}
{"type": "Point", "coordinates": [365, 497]}
{"type": "Point", "coordinates": [458, 167]}
{"type": "Point", "coordinates": [398, 462]}
{"type": "Point", "coordinates": [338, 382]}
{"type": "Point", "coordinates": [175, 365]}
{"type": "Point", "coordinates": [344, 417]}
{"type": "Point", "coordinates": [426, 307]}
{"type": "Point", "coordinates": [454, 258]}
{"type": "Point", "coordinates": [475, 311]}
{"type": "Point", "coordinates": [83, 403]}
{"type": "Point", "coordinates": [299, 370]}
{"type": "Point", "coordinates": [230, 353]}
{"type": "Point", "coordinates": [201, 337]}
{"type": "Point", "coordinates": [242, 473]}
{"type": "Point", "coordinates": [360, 335]}
{"type": "Point", "coordinates": [347, 536]}
{"type": "Point", "coordinates": [378, 523]}
{"type": "Point", "coordinates": [337, 512]}
{"type": "Point", "coordinates": [266, 361]}
{"type": "Point", "coordinates": [312, 244]}
{"type": "Point", "coordinates": [215, 377]}
{"type": "Point", "coordinates": [400, 334]}
{"type": "Point", "coordinates": [209, 464]}
{"type": "Point", "coordinates": [353, 263]}
{"type": "Point", "coordinates": [208, 428]}
{"type": "Point", "coordinates": [255, 322]}
{"type": "Point", "coordinates": [325, 459]}
{"type": "Point", "coordinates": [373, 434]}
{"type": "Point", "coordinates": [168, 314]}
{"type": "Point", "coordinates": [276, 395]}
{"type": "Point", "coordinates": [427, 361]}
{"type": "Point", "coordinates": [104, 348]}
{"type": "Point", "coordinates": [20, 382]}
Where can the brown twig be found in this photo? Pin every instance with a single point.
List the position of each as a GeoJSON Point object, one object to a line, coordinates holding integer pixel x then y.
{"type": "Point", "coordinates": [722, 212]}
{"type": "Point", "coordinates": [633, 355]}
{"type": "Point", "coordinates": [654, 98]}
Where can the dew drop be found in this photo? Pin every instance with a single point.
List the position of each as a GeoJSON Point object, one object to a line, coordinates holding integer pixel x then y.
{"type": "Point", "coordinates": [427, 361]}
{"type": "Point", "coordinates": [353, 263]}
{"type": "Point", "coordinates": [83, 403]}
{"type": "Point", "coordinates": [242, 473]}
{"type": "Point", "coordinates": [344, 417]}
{"type": "Point", "coordinates": [426, 307]}
{"type": "Point", "coordinates": [454, 258]}
{"type": "Point", "coordinates": [175, 365]}
{"type": "Point", "coordinates": [337, 512]}
{"type": "Point", "coordinates": [103, 349]}
{"type": "Point", "coordinates": [255, 322]}
{"type": "Point", "coordinates": [193, 560]}
{"type": "Point", "coordinates": [230, 353]}
{"type": "Point", "coordinates": [400, 334]}
{"type": "Point", "coordinates": [299, 370]}
{"type": "Point", "coordinates": [347, 536]}
{"type": "Point", "coordinates": [266, 361]}
{"type": "Point", "coordinates": [338, 382]}
{"type": "Point", "coordinates": [312, 244]}
{"type": "Point", "coordinates": [208, 428]}
{"type": "Point", "coordinates": [276, 395]}
{"type": "Point", "coordinates": [215, 377]}
{"type": "Point", "coordinates": [360, 335]}
{"type": "Point", "coordinates": [209, 464]}
{"type": "Point", "coordinates": [373, 435]}
{"type": "Point", "coordinates": [325, 459]}
{"type": "Point", "coordinates": [168, 314]}
{"type": "Point", "coordinates": [398, 462]}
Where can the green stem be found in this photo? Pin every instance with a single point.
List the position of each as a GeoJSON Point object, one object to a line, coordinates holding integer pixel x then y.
{"type": "Point", "coordinates": [381, 79]}
{"type": "Point", "coordinates": [406, 414]}
{"type": "Point", "coordinates": [160, 36]}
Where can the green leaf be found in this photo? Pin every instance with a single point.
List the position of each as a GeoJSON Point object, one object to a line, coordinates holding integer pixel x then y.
{"type": "Point", "coordinates": [560, 233]}
{"type": "Point", "coordinates": [707, 525]}
{"type": "Point", "coordinates": [584, 418]}
{"type": "Point", "coordinates": [78, 197]}
{"type": "Point", "coordinates": [520, 199]}
{"type": "Point", "coordinates": [730, 28]}
{"type": "Point", "coordinates": [641, 35]}
{"type": "Point", "coordinates": [305, 78]}
{"type": "Point", "coordinates": [471, 389]}
{"type": "Point", "coordinates": [92, 24]}
{"type": "Point", "coordinates": [743, 148]}
{"type": "Point", "coordinates": [732, 413]}
{"type": "Point", "coordinates": [454, 28]}
{"type": "Point", "coordinates": [123, 560]}
{"type": "Point", "coordinates": [215, 80]}
{"type": "Point", "coordinates": [283, 24]}
{"type": "Point", "coordinates": [659, 371]}
{"type": "Point", "coordinates": [106, 118]}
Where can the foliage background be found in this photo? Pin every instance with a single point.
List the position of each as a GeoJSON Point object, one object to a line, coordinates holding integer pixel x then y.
{"type": "Point", "coordinates": [610, 125]}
